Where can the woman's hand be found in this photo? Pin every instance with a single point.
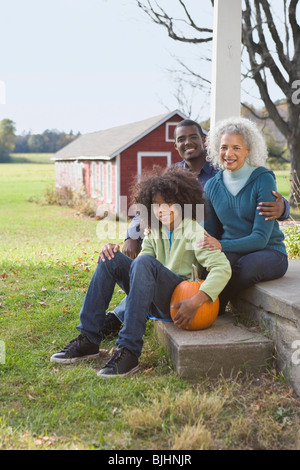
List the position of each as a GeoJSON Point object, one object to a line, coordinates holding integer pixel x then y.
{"type": "Point", "coordinates": [187, 309]}
{"type": "Point", "coordinates": [109, 251]}
{"type": "Point", "coordinates": [209, 242]}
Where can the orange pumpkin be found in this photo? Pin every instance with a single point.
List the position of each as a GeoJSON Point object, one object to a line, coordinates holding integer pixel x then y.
{"type": "Point", "coordinates": [205, 315]}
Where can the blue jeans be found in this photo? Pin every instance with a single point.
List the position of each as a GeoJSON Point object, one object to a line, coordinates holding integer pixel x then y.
{"type": "Point", "coordinates": [247, 270]}
{"type": "Point", "coordinates": [119, 310]}
{"type": "Point", "coordinates": [251, 268]}
{"type": "Point", "coordinates": [149, 286]}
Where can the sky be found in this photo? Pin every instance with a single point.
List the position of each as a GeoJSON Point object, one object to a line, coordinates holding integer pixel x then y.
{"type": "Point", "coordinates": [87, 65]}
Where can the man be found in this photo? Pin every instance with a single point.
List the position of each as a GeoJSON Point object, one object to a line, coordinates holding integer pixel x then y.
{"type": "Point", "coordinates": [189, 144]}
{"type": "Point", "coordinates": [189, 138]}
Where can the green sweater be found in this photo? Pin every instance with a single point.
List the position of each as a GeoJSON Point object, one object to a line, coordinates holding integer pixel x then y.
{"type": "Point", "coordinates": [183, 253]}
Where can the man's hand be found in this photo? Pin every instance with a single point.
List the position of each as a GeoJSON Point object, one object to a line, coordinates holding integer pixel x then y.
{"type": "Point", "coordinates": [187, 309]}
{"type": "Point", "coordinates": [272, 210]}
{"type": "Point", "coordinates": [131, 248]}
{"type": "Point", "coordinates": [109, 251]}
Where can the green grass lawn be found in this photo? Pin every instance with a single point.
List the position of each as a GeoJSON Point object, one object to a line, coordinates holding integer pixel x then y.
{"type": "Point", "coordinates": [31, 157]}
{"type": "Point", "coordinates": [48, 255]}
{"type": "Point", "coordinates": [283, 187]}
{"type": "Point", "coordinates": [283, 182]}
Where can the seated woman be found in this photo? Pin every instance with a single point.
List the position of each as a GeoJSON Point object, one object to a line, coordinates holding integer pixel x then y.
{"type": "Point", "coordinates": [253, 245]}
{"type": "Point", "coordinates": [149, 280]}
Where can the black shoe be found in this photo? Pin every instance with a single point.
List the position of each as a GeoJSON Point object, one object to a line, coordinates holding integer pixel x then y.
{"type": "Point", "coordinates": [78, 349]}
{"type": "Point", "coordinates": [112, 324]}
{"type": "Point", "coordinates": [122, 363]}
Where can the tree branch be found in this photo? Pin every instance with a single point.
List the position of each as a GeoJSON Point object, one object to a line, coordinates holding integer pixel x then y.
{"type": "Point", "coordinates": [267, 58]}
{"type": "Point", "coordinates": [274, 33]}
{"type": "Point", "coordinates": [293, 22]}
{"type": "Point", "coordinates": [287, 33]}
{"type": "Point", "coordinates": [257, 116]}
{"type": "Point", "coordinates": [256, 70]}
{"type": "Point", "coordinates": [160, 17]}
{"type": "Point", "coordinates": [193, 74]}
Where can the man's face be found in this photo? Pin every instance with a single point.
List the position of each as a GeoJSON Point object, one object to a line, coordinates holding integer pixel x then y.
{"type": "Point", "coordinates": [188, 142]}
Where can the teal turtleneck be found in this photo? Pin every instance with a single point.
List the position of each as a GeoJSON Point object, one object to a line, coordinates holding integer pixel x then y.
{"type": "Point", "coordinates": [235, 180]}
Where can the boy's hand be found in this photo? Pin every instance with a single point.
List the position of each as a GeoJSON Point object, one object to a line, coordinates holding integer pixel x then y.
{"type": "Point", "coordinates": [187, 309]}
{"type": "Point", "coordinates": [272, 210]}
{"type": "Point", "coordinates": [108, 250]}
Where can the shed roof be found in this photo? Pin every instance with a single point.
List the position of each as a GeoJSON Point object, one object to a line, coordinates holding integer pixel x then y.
{"type": "Point", "coordinates": [107, 144]}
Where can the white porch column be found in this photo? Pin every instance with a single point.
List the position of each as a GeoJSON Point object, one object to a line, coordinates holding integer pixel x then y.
{"type": "Point", "coordinates": [226, 63]}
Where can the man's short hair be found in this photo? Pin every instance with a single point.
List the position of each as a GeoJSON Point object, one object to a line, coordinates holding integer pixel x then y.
{"type": "Point", "coordinates": [189, 122]}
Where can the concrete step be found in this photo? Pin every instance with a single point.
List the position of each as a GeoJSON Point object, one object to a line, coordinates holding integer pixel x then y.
{"type": "Point", "coordinates": [275, 306]}
{"type": "Point", "coordinates": [223, 348]}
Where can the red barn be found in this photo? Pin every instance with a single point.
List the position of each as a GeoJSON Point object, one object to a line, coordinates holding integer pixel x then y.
{"type": "Point", "coordinates": [105, 162]}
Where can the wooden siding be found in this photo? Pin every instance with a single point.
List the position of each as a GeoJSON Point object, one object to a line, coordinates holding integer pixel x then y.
{"type": "Point", "coordinates": [154, 142]}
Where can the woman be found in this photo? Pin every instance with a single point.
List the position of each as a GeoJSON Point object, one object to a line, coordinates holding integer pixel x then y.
{"type": "Point", "coordinates": [253, 245]}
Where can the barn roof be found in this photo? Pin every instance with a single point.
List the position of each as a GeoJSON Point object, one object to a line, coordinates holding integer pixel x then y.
{"type": "Point", "coordinates": [107, 144]}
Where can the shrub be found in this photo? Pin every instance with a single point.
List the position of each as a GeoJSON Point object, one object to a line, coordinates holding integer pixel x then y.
{"type": "Point", "coordinates": [292, 240]}
{"type": "Point", "coordinates": [77, 199]}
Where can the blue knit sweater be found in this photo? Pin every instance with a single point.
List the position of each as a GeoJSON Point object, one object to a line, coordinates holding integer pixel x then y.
{"type": "Point", "coordinates": [234, 219]}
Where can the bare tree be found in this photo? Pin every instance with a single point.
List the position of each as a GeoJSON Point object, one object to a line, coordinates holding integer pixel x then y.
{"type": "Point", "coordinates": [271, 41]}
{"type": "Point", "coordinates": [161, 17]}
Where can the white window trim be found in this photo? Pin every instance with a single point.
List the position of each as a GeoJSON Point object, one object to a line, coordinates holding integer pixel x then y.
{"type": "Point", "coordinates": [141, 155]}
{"type": "Point", "coordinates": [93, 180]}
{"type": "Point", "coordinates": [101, 181]}
{"type": "Point", "coordinates": [108, 182]}
{"type": "Point", "coordinates": [167, 136]}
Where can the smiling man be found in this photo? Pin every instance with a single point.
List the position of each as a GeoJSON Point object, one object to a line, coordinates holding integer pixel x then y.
{"type": "Point", "coordinates": [189, 144]}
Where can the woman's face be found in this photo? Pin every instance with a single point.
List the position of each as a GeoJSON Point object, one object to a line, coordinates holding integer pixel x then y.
{"type": "Point", "coordinates": [233, 151]}
{"type": "Point", "coordinates": [167, 214]}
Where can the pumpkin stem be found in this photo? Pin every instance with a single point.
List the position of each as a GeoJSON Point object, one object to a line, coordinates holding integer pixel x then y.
{"type": "Point", "coordinates": [195, 275]}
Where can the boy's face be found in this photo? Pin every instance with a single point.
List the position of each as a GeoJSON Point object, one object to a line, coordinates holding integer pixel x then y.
{"type": "Point", "coordinates": [167, 214]}
{"type": "Point", "coordinates": [188, 142]}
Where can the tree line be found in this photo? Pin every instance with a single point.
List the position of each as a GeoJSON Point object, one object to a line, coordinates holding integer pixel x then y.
{"type": "Point", "coordinates": [50, 141]}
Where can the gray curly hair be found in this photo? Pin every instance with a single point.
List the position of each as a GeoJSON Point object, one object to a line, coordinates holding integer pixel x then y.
{"type": "Point", "coordinates": [252, 136]}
